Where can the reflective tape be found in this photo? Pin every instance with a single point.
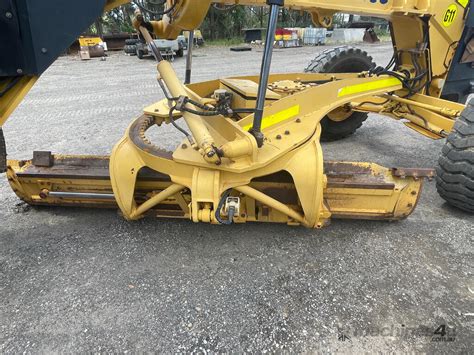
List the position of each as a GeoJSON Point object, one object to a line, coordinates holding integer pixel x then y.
{"type": "Point", "coordinates": [373, 85]}
{"type": "Point", "coordinates": [281, 116]}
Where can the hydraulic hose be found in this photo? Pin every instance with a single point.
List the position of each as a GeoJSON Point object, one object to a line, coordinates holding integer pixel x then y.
{"type": "Point", "coordinates": [231, 212]}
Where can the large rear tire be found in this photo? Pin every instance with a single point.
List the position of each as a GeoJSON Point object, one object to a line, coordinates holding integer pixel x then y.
{"type": "Point", "coordinates": [3, 153]}
{"type": "Point", "coordinates": [344, 59]}
{"type": "Point", "coordinates": [132, 41]}
{"type": "Point", "coordinates": [130, 49]}
{"type": "Point", "coordinates": [455, 172]}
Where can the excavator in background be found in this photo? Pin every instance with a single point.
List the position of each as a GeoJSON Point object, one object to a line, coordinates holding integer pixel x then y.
{"type": "Point", "coordinates": [251, 147]}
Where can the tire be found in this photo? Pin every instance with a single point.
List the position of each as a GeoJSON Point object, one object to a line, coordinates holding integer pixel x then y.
{"type": "Point", "coordinates": [344, 59]}
{"type": "Point", "coordinates": [129, 49]}
{"type": "Point", "coordinates": [455, 171]}
{"type": "Point", "coordinates": [131, 41]}
{"type": "Point", "coordinates": [3, 153]}
{"type": "Point", "coordinates": [140, 54]}
{"type": "Point", "coordinates": [180, 53]}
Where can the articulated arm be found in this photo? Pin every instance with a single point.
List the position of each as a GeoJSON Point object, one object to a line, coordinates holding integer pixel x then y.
{"type": "Point", "coordinates": [185, 15]}
{"type": "Point", "coordinates": [188, 14]}
{"type": "Point", "coordinates": [414, 23]}
{"type": "Point", "coordinates": [29, 57]}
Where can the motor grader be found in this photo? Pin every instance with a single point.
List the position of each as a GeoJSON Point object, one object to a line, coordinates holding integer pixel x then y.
{"type": "Point", "coordinates": [251, 148]}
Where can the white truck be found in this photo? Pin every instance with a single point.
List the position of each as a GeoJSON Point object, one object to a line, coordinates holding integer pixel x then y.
{"type": "Point", "coordinates": [170, 48]}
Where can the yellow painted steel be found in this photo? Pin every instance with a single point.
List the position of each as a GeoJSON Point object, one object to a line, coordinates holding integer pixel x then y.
{"type": "Point", "coordinates": [195, 123]}
{"type": "Point", "coordinates": [292, 146]}
{"type": "Point", "coordinates": [10, 101]}
{"type": "Point", "coordinates": [272, 203]}
{"type": "Point", "coordinates": [162, 198]}
{"type": "Point", "coordinates": [155, 200]}
{"type": "Point", "coordinates": [405, 16]}
{"type": "Point", "coordinates": [286, 179]}
{"type": "Point", "coordinates": [112, 4]}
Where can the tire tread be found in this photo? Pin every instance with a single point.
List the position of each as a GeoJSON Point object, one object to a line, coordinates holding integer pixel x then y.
{"type": "Point", "coordinates": [3, 153]}
{"type": "Point", "coordinates": [326, 63]}
{"type": "Point", "coordinates": [455, 171]}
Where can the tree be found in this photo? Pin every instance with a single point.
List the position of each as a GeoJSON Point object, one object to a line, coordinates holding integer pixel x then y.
{"type": "Point", "coordinates": [221, 22]}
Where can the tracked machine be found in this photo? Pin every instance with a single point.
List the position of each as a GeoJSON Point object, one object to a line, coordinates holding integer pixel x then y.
{"type": "Point", "coordinates": [251, 147]}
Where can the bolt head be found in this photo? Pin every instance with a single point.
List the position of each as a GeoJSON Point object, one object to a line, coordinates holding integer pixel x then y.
{"type": "Point", "coordinates": [8, 15]}
{"type": "Point", "coordinates": [19, 71]}
{"type": "Point", "coordinates": [44, 50]}
{"type": "Point", "coordinates": [278, 137]}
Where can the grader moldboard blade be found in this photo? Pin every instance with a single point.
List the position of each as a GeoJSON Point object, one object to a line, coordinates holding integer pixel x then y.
{"type": "Point", "coordinates": [352, 190]}
{"type": "Point", "coordinates": [252, 150]}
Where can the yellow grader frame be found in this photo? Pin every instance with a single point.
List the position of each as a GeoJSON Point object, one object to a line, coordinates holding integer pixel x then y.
{"type": "Point", "coordinates": [253, 152]}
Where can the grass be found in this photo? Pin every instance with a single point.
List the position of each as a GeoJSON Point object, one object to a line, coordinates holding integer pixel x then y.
{"type": "Point", "coordinates": [384, 36]}
{"type": "Point", "coordinates": [225, 41]}
{"type": "Point", "coordinates": [387, 38]}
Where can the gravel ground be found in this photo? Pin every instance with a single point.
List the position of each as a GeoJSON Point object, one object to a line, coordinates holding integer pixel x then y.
{"type": "Point", "coordinates": [77, 280]}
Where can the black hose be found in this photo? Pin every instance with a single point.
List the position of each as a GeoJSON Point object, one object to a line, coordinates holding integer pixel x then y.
{"type": "Point", "coordinates": [165, 91]}
{"type": "Point", "coordinates": [408, 83]}
{"type": "Point", "coordinates": [198, 104]}
{"type": "Point", "coordinates": [208, 111]}
{"type": "Point", "coordinates": [372, 103]}
{"type": "Point", "coordinates": [243, 110]}
{"type": "Point", "coordinates": [318, 82]}
{"type": "Point", "coordinates": [188, 136]}
{"type": "Point", "coordinates": [200, 113]}
{"type": "Point", "coordinates": [411, 84]}
{"type": "Point", "coordinates": [230, 218]}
